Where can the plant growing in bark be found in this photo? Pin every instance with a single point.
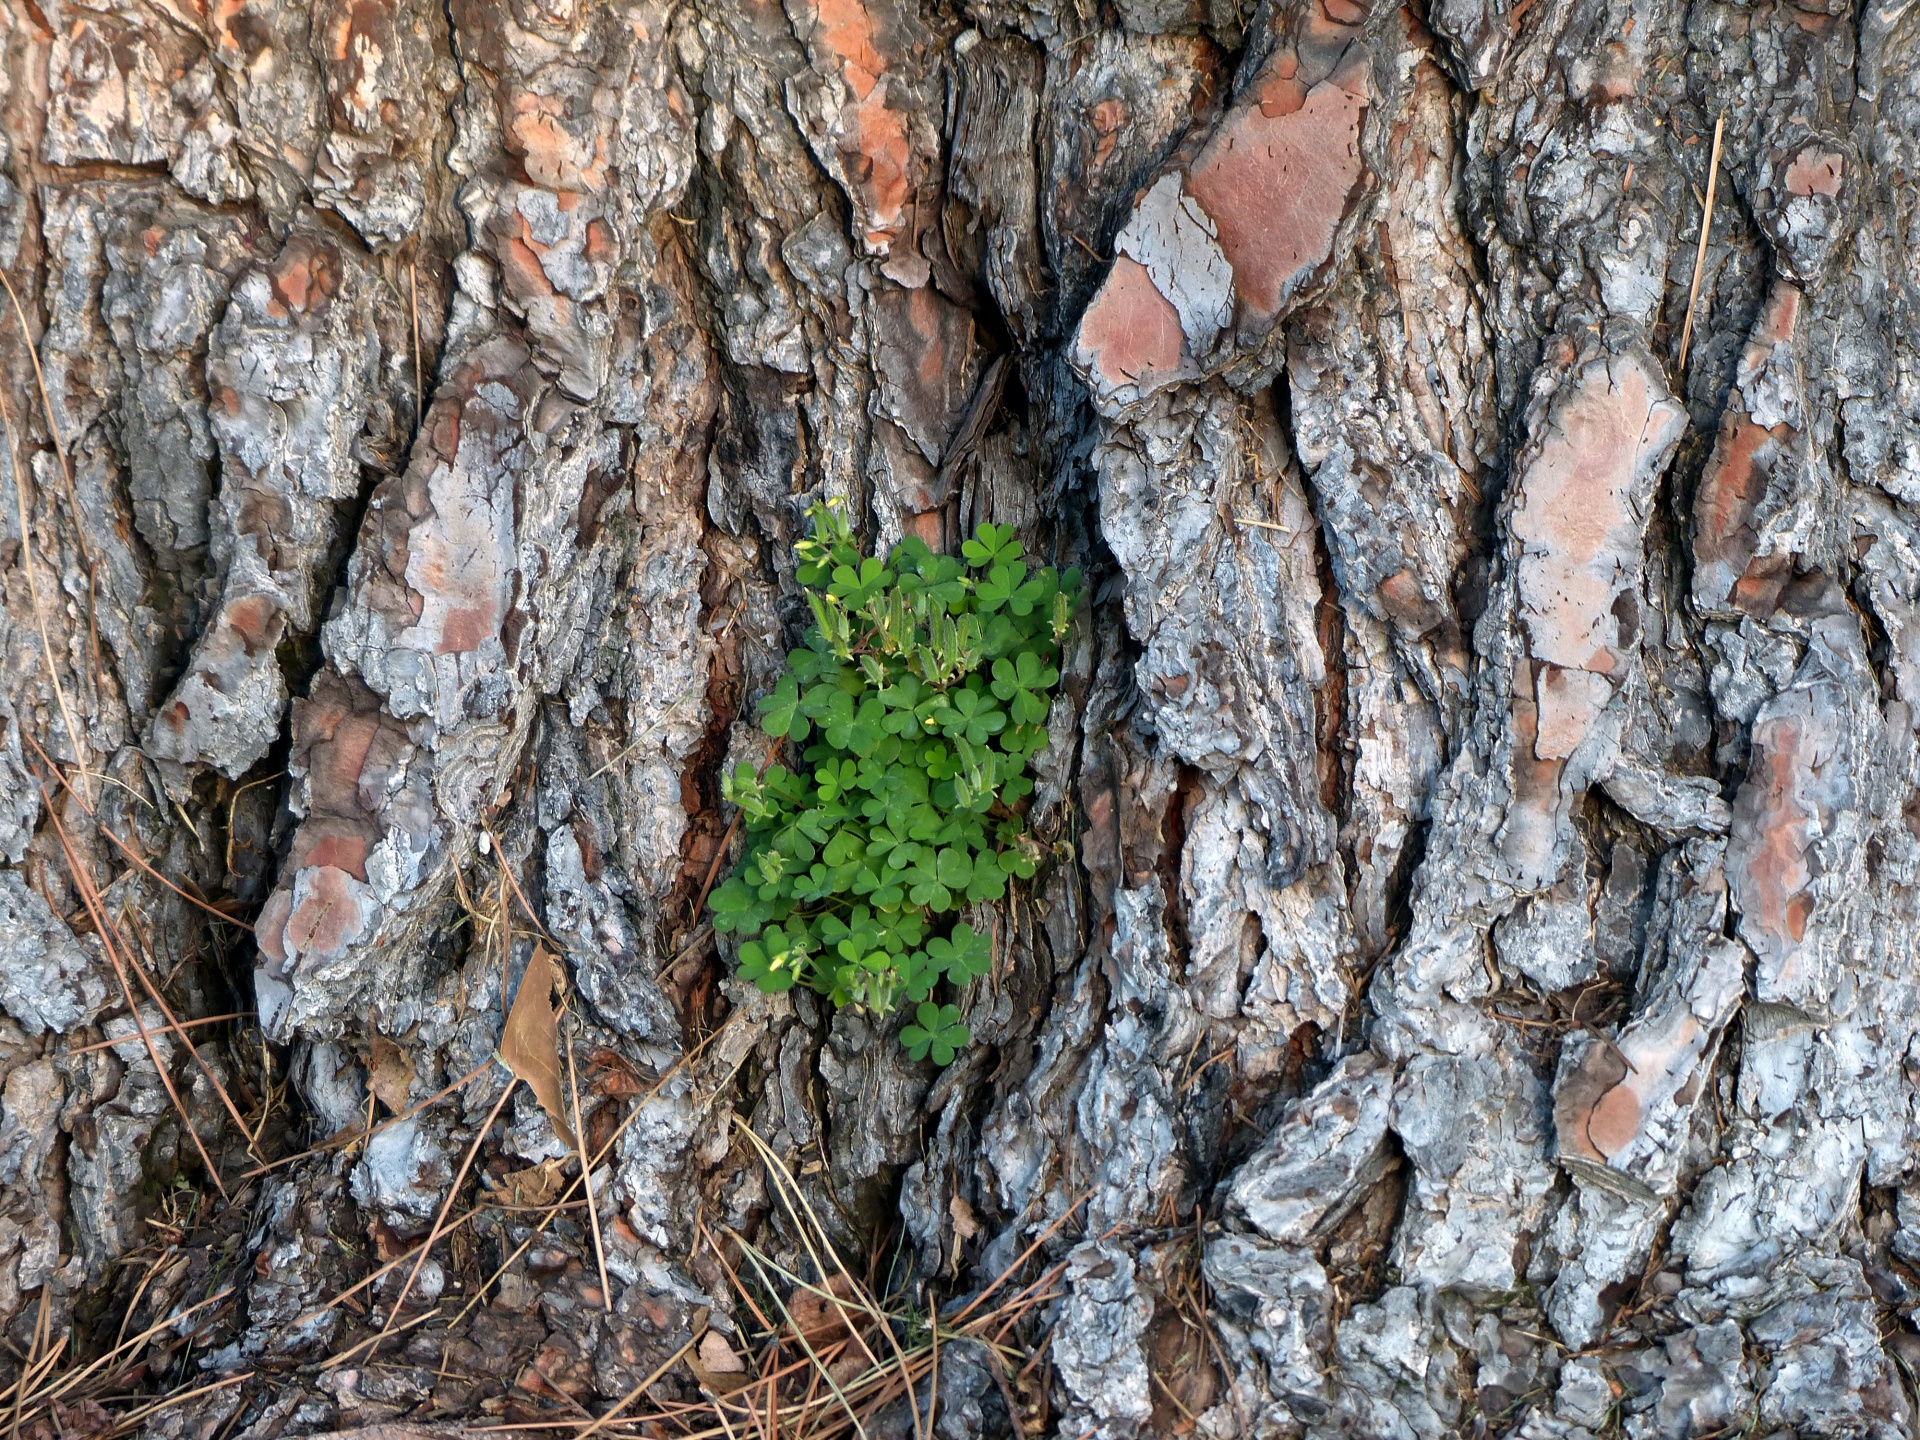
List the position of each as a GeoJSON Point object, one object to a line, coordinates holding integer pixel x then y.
{"type": "Point", "coordinates": [917, 697]}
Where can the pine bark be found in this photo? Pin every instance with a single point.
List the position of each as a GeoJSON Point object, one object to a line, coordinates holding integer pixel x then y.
{"type": "Point", "coordinates": [1475, 987]}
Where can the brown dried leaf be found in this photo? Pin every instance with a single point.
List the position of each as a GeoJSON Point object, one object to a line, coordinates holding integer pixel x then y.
{"type": "Point", "coordinates": [966, 1225]}
{"type": "Point", "coordinates": [611, 1074]}
{"type": "Point", "coordinates": [530, 1045]}
{"type": "Point", "coordinates": [84, 1421]}
{"type": "Point", "coordinates": [816, 1317]}
{"type": "Point", "coordinates": [389, 1073]}
{"type": "Point", "coordinates": [716, 1365]}
{"type": "Point", "coordinates": [535, 1186]}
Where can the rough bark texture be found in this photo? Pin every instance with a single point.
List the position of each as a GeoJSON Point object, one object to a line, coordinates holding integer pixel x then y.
{"type": "Point", "coordinates": [1477, 988]}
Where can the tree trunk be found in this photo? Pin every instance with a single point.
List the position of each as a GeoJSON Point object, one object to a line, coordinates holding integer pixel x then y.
{"type": "Point", "coordinates": [1474, 988]}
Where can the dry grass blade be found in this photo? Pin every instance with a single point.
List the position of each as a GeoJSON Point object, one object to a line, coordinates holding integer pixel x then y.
{"type": "Point", "coordinates": [606, 1149]}
{"type": "Point", "coordinates": [506, 873]}
{"type": "Point", "coordinates": [811, 1230]}
{"type": "Point", "coordinates": [413, 306]}
{"type": "Point", "coordinates": [33, 1358]}
{"type": "Point", "coordinates": [90, 897]}
{"type": "Point", "coordinates": [832, 1402]}
{"type": "Point", "coordinates": [586, 1180]}
{"type": "Point", "coordinates": [530, 1044]}
{"type": "Point", "coordinates": [164, 1030]}
{"type": "Point", "coordinates": [345, 1295]}
{"type": "Point", "coordinates": [352, 1136]}
{"type": "Point", "coordinates": [53, 427]}
{"type": "Point", "coordinates": [179, 1397]}
{"type": "Point", "coordinates": [1706, 224]}
{"type": "Point", "coordinates": [1021, 1259]}
{"type": "Point", "coordinates": [33, 592]}
{"type": "Point", "coordinates": [794, 1201]}
{"type": "Point", "coordinates": [140, 864]}
{"type": "Point", "coordinates": [73, 504]}
{"type": "Point", "coordinates": [637, 1391]}
{"type": "Point", "coordinates": [173, 1023]}
{"type": "Point", "coordinates": [41, 1400]}
{"type": "Point", "coordinates": [433, 1235]}
{"type": "Point", "coordinates": [800, 1338]}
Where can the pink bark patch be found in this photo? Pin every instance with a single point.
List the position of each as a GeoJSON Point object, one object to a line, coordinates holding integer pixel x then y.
{"type": "Point", "coordinates": [304, 277]}
{"type": "Point", "coordinates": [1726, 539]}
{"type": "Point", "coordinates": [1614, 1121]}
{"type": "Point", "coordinates": [1277, 186]}
{"type": "Point", "coordinates": [1777, 816]}
{"type": "Point", "coordinates": [1815, 172]}
{"type": "Point", "coordinates": [329, 917]}
{"type": "Point", "coordinates": [334, 843]}
{"type": "Point", "coordinates": [1130, 335]}
{"type": "Point", "coordinates": [1580, 523]}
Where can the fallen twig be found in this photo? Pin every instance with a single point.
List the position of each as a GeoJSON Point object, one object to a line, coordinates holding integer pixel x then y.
{"type": "Point", "coordinates": [1706, 224]}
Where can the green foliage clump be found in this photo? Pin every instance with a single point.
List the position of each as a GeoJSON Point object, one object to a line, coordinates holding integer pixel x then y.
{"type": "Point", "coordinates": [924, 685]}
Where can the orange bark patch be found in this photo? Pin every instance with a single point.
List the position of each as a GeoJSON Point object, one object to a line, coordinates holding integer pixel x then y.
{"type": "Point", "coordinates": [358, 37]}
{"type": "Point", "coordinates": [520, 265]}
{"type": "Point", "coordinates": [873, 136]}
{"type": "Point", "coordinates": [1277, 188]}
{"type": "Point", "coordinates": [304, 277]}
{"type": "Point", "coordinates": [553, 155]}
{"type": "Point", "coordinates": [256, 620]}
{"type": "Point", "coordinates": [1735, 482]}
{"type": "Point", "coordinates": [329, 918]}
{"type": "Point", "coordinates": [1776, 835]}
{"type": "Point", "coordinates": [1108, 118]}
{"type": "Point", "coordinates": [1814, 172]}
{"type": "Point", "coordinates": [1131, 334]}
{"type": "Point", "coordinates": [1580, 529]}
{"type": "Point", "coordinates": [887, 154]}
{"type": "Point", "coordinates": [846, 29]}
{"type": "Point", "coordinates": [1527, 837]}
{"type": "Point", "coordinates": [1279, 94]}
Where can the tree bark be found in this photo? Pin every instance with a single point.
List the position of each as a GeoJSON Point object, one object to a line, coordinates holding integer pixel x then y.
{"type": "Point", "coordinates": [1474, 990]}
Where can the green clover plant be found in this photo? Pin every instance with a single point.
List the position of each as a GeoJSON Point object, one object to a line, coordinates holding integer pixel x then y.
{"type": "Point", "coordinates": [918, 695]}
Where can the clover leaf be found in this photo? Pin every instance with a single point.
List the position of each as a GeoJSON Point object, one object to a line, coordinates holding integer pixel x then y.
{"type": "Point", "coordinates": [964, 955]}
{"type": "Point", "coordinates": [991, 545]}
{"type": "Point", "coordinates": [907, 714]}
{"type": "Point", "coordinates": [939, 1033]}
{"type": "Point", "coordinates": [1022, 683]}
{"type": "Point", "coordinates": [780, 712]}
{"type": "Point", "coordinates": [773, 962]}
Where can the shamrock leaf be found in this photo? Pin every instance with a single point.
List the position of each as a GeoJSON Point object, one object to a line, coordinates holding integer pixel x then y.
{"type": "Point", "coordinates": [858, 730]}
{"type": "Point", "coordinates": [939, 1033]}
{"type": "Point", "coordinates": [954, 868]}
{"type": "Point", "coordinates": [926, 888]}
{"type": "Point", "coordinates": [971, 715]}
{"type": "Point", "coordinates": [780, 712]}
{"type": "Point", "coordinates": [856, 586]}
{"type": "Point", "coordinates": [1002, 583]}
{"type": "Point", "coordinates": [963, 956]}
{"type": "Point", "coordinates": [834, 781]}
{"type": "Point", "coordinates": [1020, 682]}
{"type": "Point", "coordinates": [771, 963]}
{"type": "Point", "coordinates": [991, 545]}
{"type": "Point", "coordinates": [732, 904]}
